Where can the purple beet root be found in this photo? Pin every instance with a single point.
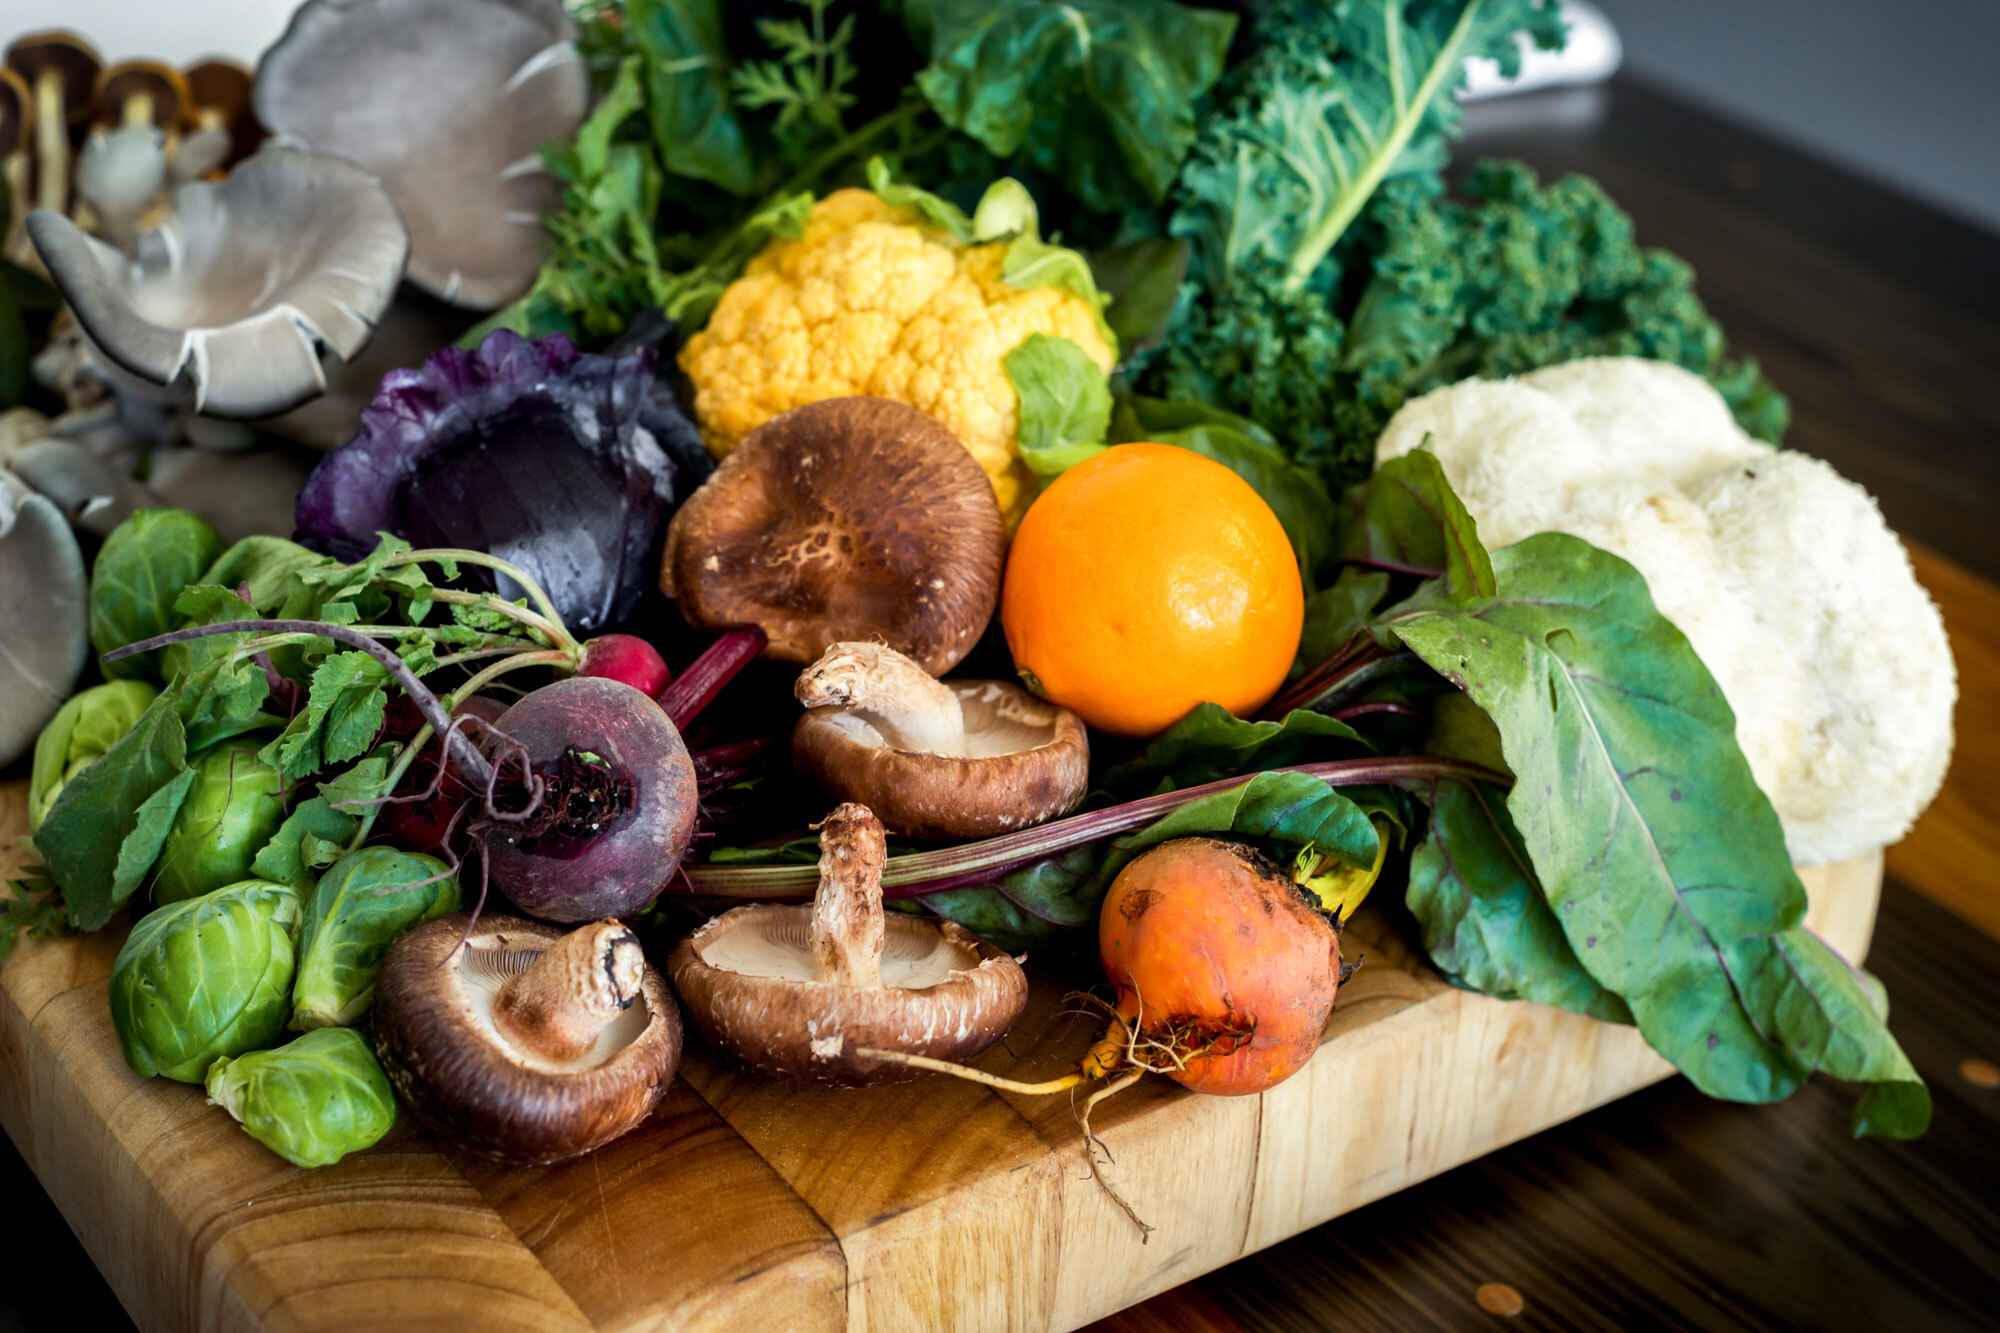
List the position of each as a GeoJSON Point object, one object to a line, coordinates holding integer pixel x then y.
{"type": "Point", "coordinates": [618, 805]}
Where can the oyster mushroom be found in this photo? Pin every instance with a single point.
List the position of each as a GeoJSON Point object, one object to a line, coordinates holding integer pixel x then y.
{"type": "Point", "coordinates": [90, 491]}
{"type": "Point", "coordinates": [847, 519]}
{"type": "Point", "coordinates": [42, 586]}
{"type": "Point", "coordinates": [795, 992]}
{"type": "Point", "coordinates": [61, 68]}
{"type": "Point", "coordinates": [528, 1044]}
{"type": "Point", "coordinates": [449, 102]}
{"type": "Point", "coordinates": [230, 302]}
{"type": "Point", "coordinates": [932, 758]}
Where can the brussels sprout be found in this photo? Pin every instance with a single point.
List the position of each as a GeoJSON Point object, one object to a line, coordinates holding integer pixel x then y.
{"type": "Point", "coordinates": [204, 978]}
{"type": "Point", "coordinates": [364, 903]}
{"type": "Point", "coordinates": [78, 735]}
{"type": "Point", "coordinates": [140, 571]}
{"type": "Point", "coordinates": [231, 811]}
{"type": "Point", "coordinates": [311, 1101]}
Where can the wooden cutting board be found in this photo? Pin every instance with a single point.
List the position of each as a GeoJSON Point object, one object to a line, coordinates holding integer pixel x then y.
{"type": "Point", "coordinates": [750, 1204]}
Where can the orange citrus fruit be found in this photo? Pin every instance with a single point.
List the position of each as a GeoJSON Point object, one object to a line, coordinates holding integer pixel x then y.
{"type": "Point", "coordinates": [1148, 579]}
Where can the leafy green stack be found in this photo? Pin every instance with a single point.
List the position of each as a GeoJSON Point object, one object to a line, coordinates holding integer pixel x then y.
{"type": "Point", "coordinates": [1265, 196]}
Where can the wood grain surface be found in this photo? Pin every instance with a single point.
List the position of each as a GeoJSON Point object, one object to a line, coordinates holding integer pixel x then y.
{"type": "Point", "coordinates": [933, 1204]}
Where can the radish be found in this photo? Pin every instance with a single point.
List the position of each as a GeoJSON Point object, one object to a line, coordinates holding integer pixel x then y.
{"type": "Point", "coordinates": [625, 658]}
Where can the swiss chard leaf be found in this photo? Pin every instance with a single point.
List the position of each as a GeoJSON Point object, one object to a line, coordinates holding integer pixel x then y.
{"type": "Point", "coordinates": [1407, 516]}
{"type": "Point", "coordinates": [1211, 743]}
{"type": "Point", "coordinates": [1336, 614]}
{"type": "Point", "coordinates": [1664, 862]}
{"type": "Point", "coordinates": [1282, 811]}
{"type": "Point", "coordinates": [1142, 280]}
{"type": "Point", "coordinates": [1484, 921]}
{"type": "Point", "coordinates": [143, 566]}
{"type": "Point", "coordinates": [1065, 403]}
{"type": "Point", "coordinates": [1098, 93]}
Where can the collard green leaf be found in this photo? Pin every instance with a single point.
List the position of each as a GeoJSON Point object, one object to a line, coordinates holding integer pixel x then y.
{"type": "Point", "coordinates": [362, 905]}
{"type": "Point", "coordinates": [1407, 516]}
{"type": "Point", "coordinates": [205, 978]}
{"type": "Point", "coordinates": [696, 128]}
{"type": "Point", "coordinates": [1484, 921]}
{"type": "Point", "coordinates": [1098, 93]}
{"type": "Point", "coordinates": [311, 1101]}
{"type": "Point", "coordinates": [1065, 403]}
{"type": "Point", "coordinates": [1141, 280]}
{"type": "Point", "coordinates": [1663, 861]}
{"type": "Point", "coordinates": [1211, 743]}
{"type": "Point", "coordinates": [143, 567]}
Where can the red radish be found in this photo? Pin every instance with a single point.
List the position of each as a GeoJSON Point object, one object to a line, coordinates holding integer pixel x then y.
{"type": "Point", "coordinates": [628, 659]}
{"type": "Point", "coordinates": [617, 803]}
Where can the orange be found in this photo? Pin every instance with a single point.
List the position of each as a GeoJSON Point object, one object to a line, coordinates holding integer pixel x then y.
{"type": "Point", "coordinates": [1146, 580]}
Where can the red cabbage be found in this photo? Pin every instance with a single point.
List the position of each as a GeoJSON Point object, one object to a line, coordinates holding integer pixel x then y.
{"type": "Point", "coordinates": [565, 463]}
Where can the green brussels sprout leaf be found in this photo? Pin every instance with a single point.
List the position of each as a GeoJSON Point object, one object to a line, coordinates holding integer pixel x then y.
{"type": "Point", "coordinates": [234, 807]}
{"type": "Point", "coordinates": [143, 566]}
{"type": "Point", "coordinates": [362, 905]}
{"type": "Point", "coordinates": [311, 1101]}
{"type": "Point", "coordinates": [79, 735]}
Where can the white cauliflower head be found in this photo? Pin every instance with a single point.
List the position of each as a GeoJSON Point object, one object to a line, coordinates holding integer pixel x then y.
{"type": "Point", "coordinates": [1781, 573]}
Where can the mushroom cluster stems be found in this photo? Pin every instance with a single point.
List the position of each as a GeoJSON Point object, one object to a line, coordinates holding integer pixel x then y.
{"type": "Point", "coordinates": [51, 141]}
{"type": "Point", "coordinates": [848, 929]}
{"type": "Point", "coordinates": [912, 709]}
{"type": "Point", "coordinates": [559, 1003]}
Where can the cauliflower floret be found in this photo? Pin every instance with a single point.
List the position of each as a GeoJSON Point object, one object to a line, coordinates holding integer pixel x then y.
{"type": "Point", "coordinates": [870, 300]}
{"type": "Point", "coordinates": [1782, 574]}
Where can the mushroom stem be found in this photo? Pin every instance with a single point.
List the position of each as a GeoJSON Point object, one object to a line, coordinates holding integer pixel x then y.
{"type": "Point", "coordinates": [912, 709]}
{"type": "Point", "coordinates": [559, 1005]}
{"type": "Point", "coordinates": [51, 141]}
{"type": "Point", "coordinates": [138, 109]}
{"type": "Point", "coordinates": [847, 927]}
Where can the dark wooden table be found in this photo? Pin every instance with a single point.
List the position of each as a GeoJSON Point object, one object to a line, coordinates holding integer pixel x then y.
{"type": "Point", "coordinates": [1881, 319]}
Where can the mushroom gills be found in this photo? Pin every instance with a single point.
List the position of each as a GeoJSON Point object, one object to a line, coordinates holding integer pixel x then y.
{"type": "Point", "coordinates": [996, 723]}
{"type": "Point", "coordinates": [485, 967]}
{"type": "Point", "coordinates": [915, 955]}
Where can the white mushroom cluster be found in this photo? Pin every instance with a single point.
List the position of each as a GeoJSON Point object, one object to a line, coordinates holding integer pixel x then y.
{"type": "Point", "coordinates": [1781, 573]}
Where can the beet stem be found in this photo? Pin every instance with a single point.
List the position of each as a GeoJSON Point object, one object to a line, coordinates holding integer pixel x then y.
{"type": "Point", "coordinates": [979, 863]}
{"type": "Point", "coordinates": [695, 688]}
{"type": "Point", "coordinates": [718, 765]}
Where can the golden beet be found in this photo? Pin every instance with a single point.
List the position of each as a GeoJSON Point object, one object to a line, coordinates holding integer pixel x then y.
{"type": "Point", "coordinates": [1217, 956]}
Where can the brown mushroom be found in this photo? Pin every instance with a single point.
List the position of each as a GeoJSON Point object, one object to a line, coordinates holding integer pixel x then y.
{"type": "Point", "coordinates": [141, 92]}
{"type": "Point", "coordinates": [218, 114]}
{"type": "Point", "coordinates": [17, 125]}
{"type": "Point", "coordinates": [796, 992]}
{"type": "Point", "coordinates": [848, 519]}
{"type": "Point", "coordinates": [936, 759]}
{"type": "Point", "coordinates": [61, 68]}
{"type": "Point", "coordinates": [527, 1045]}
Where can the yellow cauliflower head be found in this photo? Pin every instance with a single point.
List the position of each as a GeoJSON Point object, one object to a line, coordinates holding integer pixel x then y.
{"type": "Point", "coordinates": [873, 300]}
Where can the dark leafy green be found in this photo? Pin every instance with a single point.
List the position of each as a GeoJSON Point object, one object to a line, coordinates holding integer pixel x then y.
{"type": "Point", "coordinates": [1211, 743]}
{"type": "Point", "coordinates": [1664, 863]}
{"type": "Point", "coordinates": [1100, 94]}
{"type": "Point", "coordinates": [362, 905]}
{"type": "Point", "coordinates": [343, 714]}
{"type": "Point", "coordinates": [1337, 613]}
{"type": "Point", "coordinates": [697, 128]}
{"type": "Point", "coordinates": [314, 834]}
{"type": "Point", "coordinates": [144, 564]}
{"type": "Point", "coordinates": [1142, 278]}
